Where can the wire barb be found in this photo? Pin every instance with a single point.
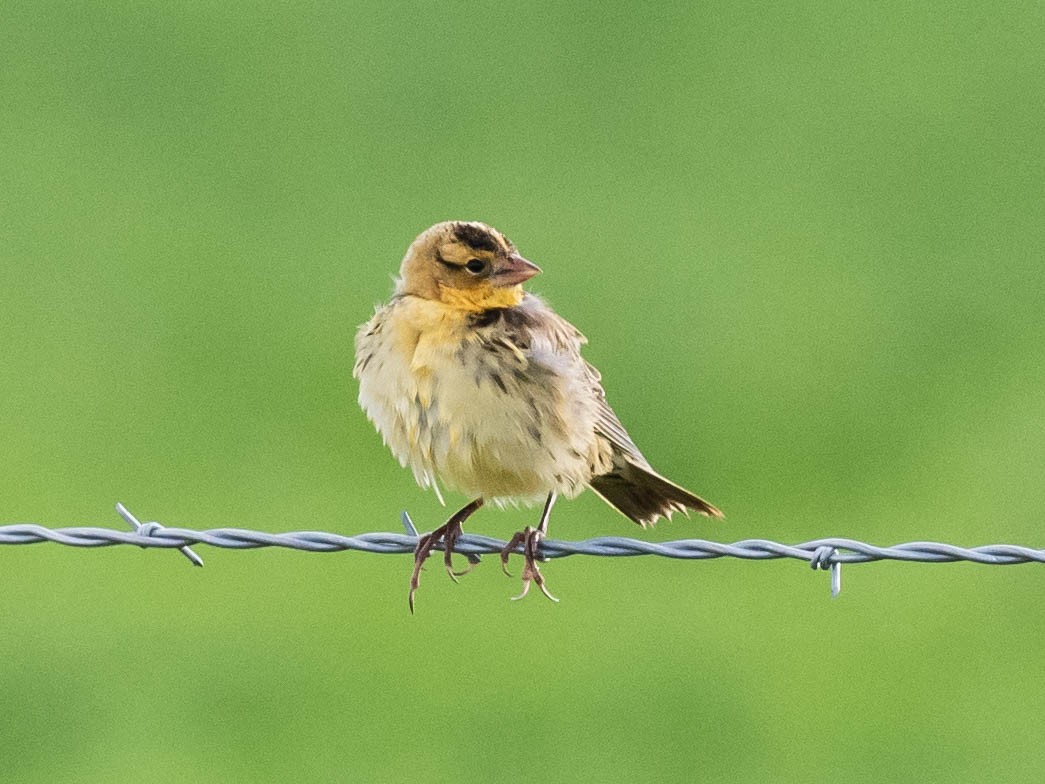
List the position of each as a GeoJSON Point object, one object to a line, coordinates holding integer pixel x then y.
{"type": "Point", "coordinates": [148, 529]}
{"type": "Point", "coordinates": [820, 554]}
{"type": "Point", "coordinates": [824, 558]}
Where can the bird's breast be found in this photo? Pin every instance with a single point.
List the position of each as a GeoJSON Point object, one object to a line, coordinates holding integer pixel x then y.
{"type": "Point", "coordinates": [472, 407]}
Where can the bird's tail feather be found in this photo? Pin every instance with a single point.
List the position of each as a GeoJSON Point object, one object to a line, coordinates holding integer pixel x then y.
{"type": "Point", "coordinates": [643, 495]}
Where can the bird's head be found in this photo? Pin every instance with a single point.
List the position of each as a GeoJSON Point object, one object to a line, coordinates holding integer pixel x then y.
{"type": "Point", "coordinates": [465, 264]}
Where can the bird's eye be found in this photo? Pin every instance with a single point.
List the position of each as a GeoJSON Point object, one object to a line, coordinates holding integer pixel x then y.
{"type": "Point", "coordinates": [475, 266]}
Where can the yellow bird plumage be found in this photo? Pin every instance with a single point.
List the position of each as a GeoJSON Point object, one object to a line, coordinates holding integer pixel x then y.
{"type": "Point", "coordinates": [480, 387]}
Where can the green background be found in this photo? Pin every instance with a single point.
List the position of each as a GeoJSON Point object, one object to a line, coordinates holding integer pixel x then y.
{"type": "Point", "coordinates": [806, 242]}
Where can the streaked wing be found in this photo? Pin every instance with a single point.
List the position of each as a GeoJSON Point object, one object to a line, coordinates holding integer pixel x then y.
{"type": "Point", "coordinates": [609, 426]}
{"type": "Point", "coordinates": [568, 339]}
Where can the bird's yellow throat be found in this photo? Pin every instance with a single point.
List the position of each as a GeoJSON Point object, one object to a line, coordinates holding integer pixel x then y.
{"type": "Point", "coordinates": [481, 298]}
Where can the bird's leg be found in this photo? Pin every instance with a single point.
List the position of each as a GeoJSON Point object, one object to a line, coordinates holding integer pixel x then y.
{"type": "Point", "coordinates": [448, 533]}
{"type": "Point", "coordinates": [530, 538]}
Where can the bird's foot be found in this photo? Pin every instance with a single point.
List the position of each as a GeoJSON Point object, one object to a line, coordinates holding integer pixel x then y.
{"type": "Point", "coordinates": [448, 534]}
{"type": "Point", "coordinates": [530, 539]}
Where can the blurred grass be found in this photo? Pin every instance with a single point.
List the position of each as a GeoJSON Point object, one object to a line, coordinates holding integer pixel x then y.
{"type": "Point", "coordinates": [806, 243]}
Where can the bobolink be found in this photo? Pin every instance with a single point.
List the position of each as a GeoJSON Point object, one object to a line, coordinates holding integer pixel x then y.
{"type": "Point", "coordinates": [480, 386]}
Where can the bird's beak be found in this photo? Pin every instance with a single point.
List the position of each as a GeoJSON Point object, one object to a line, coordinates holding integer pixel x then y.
{"type": "Point", "coordinates": [513, 270]}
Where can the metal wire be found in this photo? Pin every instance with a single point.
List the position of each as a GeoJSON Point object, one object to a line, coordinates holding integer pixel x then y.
{"type": "Point", "coordinates": [828, 553]}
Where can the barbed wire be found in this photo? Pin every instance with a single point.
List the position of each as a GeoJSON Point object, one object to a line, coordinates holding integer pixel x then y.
{"type": "Point", "coordinates": [828, 553]}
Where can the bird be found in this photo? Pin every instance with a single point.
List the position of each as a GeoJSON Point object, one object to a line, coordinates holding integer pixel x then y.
{"type": "Point", "coordinates": [479, 386]}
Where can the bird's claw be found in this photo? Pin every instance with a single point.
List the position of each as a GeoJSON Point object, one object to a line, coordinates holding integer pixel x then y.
{"type": "Point", "coordinates": [473, 561]}
{"type": "Point", "coordinates": [509, 548]}
{"type": "Point", "coordinates": [447, 534]}
{"type": "Point", "coordinates": [530, 538]}
{"type": "Point", "coordinates": [422, 550]}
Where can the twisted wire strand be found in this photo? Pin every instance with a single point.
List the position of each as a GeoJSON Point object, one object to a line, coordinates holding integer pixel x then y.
{"type": "Point", "coordinates": [819, 553]}
{"type": "Point", "coordinates": [693, 549]}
